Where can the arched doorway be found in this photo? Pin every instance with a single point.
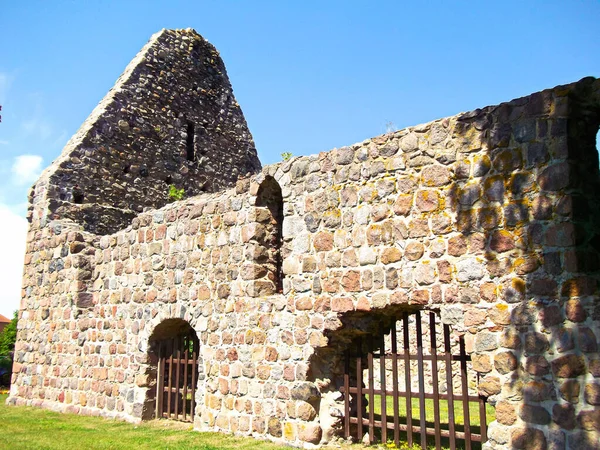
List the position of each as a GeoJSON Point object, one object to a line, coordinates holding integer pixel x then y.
{"type": "Point", "coordinates": [174, 352]}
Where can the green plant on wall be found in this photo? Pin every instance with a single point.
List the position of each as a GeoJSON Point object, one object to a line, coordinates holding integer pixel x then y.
{"type": "Point", "coordinates": [286, 155]}
{"type": "Point", "coordinates": [175, 194]}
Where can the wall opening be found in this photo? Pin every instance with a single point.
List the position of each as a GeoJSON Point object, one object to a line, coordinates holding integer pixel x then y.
{"type": "Point", "coordinates": [175, 368]}
{"type": "Point", "coordinates": [269, 212]}
{"type": "Point", "coordinates": [77, 193]}
{"type": "Point", "coordinates": [408, 378]}
{"type": "Point", "coordinates": [191, 155]}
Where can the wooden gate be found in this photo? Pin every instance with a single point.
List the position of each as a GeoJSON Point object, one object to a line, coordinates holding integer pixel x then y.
{"type": "Point", "coordinates": [380, 406]}
{"type": "Point", "coordinates": [177, 377]}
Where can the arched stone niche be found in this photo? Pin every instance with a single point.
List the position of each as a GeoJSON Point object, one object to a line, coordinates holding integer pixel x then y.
{"type": "Point", "coordinates": [264, 236]}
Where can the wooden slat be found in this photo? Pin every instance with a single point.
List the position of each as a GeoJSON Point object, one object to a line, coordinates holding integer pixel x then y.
{"type": "Point", "coordinates": [359, 393]}
{"type": "Point", "coordinates": [177, 375]}
{"type": "Point", "coordinates": [347, 397]}
{"type": "Point", "coordinates": [450, 387]}
{"type": "Point", "coordinates": [186, 349]}
{"type": "Point", "coordinates": [371, 392]}
{"type": "Point", "coordinates": [382, 384]}
{"type": "Point", "coordinates": [482, 419]}
{"type": "Point", "coordinates": [434, 380]}
{"type": "Point", "coordinates": [395, 385]}
{"type": "Point", "coordinates": [421, 371]}
{"type": "Point", "coordinates": [194, 376]}
{"type": "Point", "coordinates": [409, 429]}
{"type": "Point", "coordinates": [465, 392]}
{"type": "Point", "coordinates": [169, 404]}
{"type": "Point", "coordinates": [159, 382]}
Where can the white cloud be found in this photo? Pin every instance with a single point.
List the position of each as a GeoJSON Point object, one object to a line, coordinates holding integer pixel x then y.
{"type": "Point", "coordinates": [3, 142]}
{"type": "Point", "coordinates": [14, 227]}
{"type": "Point", "coordinates": [26, 169]}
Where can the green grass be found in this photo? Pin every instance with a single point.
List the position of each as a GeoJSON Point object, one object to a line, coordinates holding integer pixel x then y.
{"type": "Point", "coordinates": [35, 428]}
{"type": "Point", "coordinates": [429, 414]}
{"type": "Point", "coordinates": [459, 418]}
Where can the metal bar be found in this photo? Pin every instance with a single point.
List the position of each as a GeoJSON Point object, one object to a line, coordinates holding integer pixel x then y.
{"type": "Point", "coordinates": [413, 356]}
{"type": "Point", "coordinates": [347, 396]}
{"type": "Point", "coordinates": [359, 392]}
{"type": "Point", "coordinates": [482, 419]}
{"type": "Point", "coordinates": [159, 383]}
{"type": "Point", "coordinates": [371, 393]}
{"type": "Point", "coordinates": [169, 404]}
{"type": "Point", "coordinates": [421, 371]}
{"type": "Point", "coordinates": [434, 379]}
{"type": "Point", "coordinates": [395, 385]}
{"type": "Point", "coordinates": [465, 392]}
{"type": "Point", "coordinates": [382, 385]}
{"type": "Point", "coordinates": [195, 350]}
{"type": "Point", "coordinates": [409, 429]}
{"type": "Point", "coordinates": [450, 387]}
{"type": "Point", "coordinates": [186, 341]}
{"type": "Point", "coordinates": [177, 377]}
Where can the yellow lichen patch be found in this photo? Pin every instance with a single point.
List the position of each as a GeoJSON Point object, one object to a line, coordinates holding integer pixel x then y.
{"type": "Point", "coordinates": [519, 285]}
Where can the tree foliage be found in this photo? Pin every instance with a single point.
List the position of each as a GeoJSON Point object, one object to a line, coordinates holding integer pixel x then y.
{"type": "Point", "coordinates": [8, 337]}
{"type": "Point", "coordinates": [7, 346]}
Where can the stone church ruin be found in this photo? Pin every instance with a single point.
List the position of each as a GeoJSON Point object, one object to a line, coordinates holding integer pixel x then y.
{"type": "Point", "coordinates": [283, 302]}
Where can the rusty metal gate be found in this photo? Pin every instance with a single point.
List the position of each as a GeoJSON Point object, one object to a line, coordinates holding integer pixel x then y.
{"type": "Point", "coordinates": [177, 377]}
{"type": "Point", "coordinates": [385, 411]}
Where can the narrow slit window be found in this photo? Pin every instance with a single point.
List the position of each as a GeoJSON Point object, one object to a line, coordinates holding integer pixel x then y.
{"type": "Point", "coordinates": [191, 155]}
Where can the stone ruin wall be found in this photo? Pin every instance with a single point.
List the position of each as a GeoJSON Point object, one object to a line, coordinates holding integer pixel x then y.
{"type": "Point", "coordinates": [173, 95]}
{"type": "Point", "coordinates": [488, 217]}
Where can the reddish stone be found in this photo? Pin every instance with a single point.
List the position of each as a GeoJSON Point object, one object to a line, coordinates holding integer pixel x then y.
{"type": "Point", "coordinates": [589, 420]}
{"type": "Point", "coordinates": [578, 287]}
{"type": "Point", "coordinates": [560, 235]}
{"type": "Point", "coordinates": [528, 439]}
{"type": "Point", "coordinates": [427, 200]}
{"type": "Point", "coordinates": [563, 414]}
{"type": "Point", "coordinates": [351, 281]}
{"type": "Point", "coordinates": [537, 365]}
{"type": "Point", "coordinates": [444, 271]}
{"type": "Point", "coordinates": [555, 178]}
{"type": "Point", "coordinates": [592, 393]}
{"type": "Point", "coordinates": [419, 297]}
{"type": "Point", "coordinates": [569, 366]}
{"type": "Point", "coordinates": [502, 241]}
{"type": "Point", "coordinates": [390, 255]}
{"type": "Point", "coordinates": [457, 246]}
{"type": "Point", "coordinates": [505, 413]}
{"type": "Point", "coordinates": [505, 362]}
{"type": "Point", "coordinates": [323, 241]}
{"type": "Point", "coordinates": [575, 311]}
{"type": "Point", "coordinates": [551, 315]}
{"type": "Point", "coordinates": [435, 175]}
{"type": "Point", "coordinates": [414, 251]}
{"type": "Point", "coordinates": [343, 304]}
{"type": "Point", "coordinates": [403, 204]}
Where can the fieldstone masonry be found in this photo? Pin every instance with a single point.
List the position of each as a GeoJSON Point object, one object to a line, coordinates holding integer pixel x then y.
{"type": "Point", "coordinates": [490, 218]}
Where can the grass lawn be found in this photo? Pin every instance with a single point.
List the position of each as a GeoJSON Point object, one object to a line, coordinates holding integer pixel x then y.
{"type": "Point", "coordinates": [35, 428]}
{"type": "Point", "coordinates": [459, 418]}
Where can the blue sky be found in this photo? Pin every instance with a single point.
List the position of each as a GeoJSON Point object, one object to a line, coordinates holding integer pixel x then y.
{"type": "Point", "coordinates": [310, 76]}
